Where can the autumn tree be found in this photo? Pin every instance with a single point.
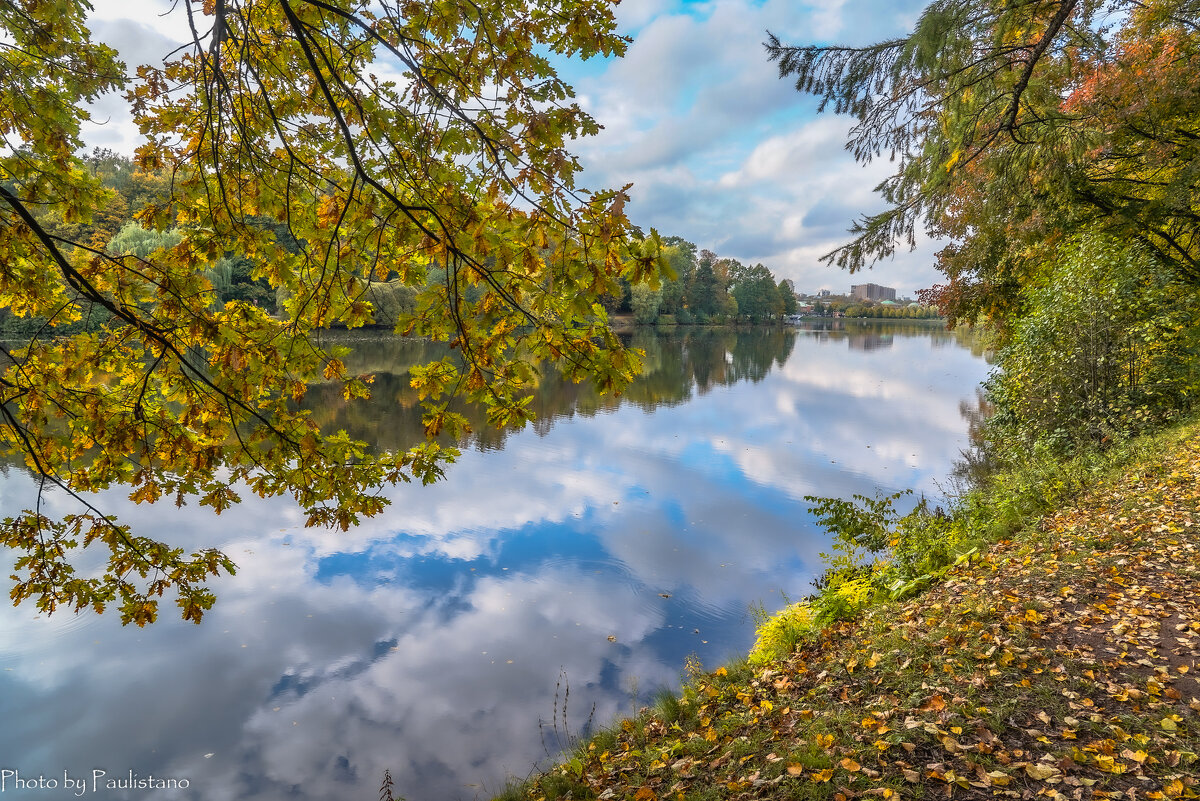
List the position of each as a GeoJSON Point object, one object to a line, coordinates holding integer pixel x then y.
{"type": "Point", "coordinates": [1025, 132]}
{"type": "Point", "coordinates": [379, 140]}
{"type": "Point", "coordinates": [1011, 121]}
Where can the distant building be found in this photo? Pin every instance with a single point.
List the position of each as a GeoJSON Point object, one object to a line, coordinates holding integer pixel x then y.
{"type": "Point", "coordinates": [824, 293]}
{"type": "Point", "coordinates": [873, 292]}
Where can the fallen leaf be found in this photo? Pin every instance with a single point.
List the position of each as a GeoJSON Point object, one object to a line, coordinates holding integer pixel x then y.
{"type": "Point", "coordinates": [1041, 771]}
{"type": "Point", "coordinates": [935, 704]}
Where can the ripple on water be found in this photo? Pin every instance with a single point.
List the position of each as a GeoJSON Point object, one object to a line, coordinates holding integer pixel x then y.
{"type": "Point", "coordinates": [52, 631]}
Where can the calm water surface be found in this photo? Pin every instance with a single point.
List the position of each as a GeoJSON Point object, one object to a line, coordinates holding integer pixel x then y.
{"type": "Point", "coordinates": [595, 550]}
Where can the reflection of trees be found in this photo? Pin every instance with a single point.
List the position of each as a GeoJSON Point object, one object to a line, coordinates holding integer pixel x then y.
{"type": "Point", "coordinates": [976, 414]}
{"type": "Point", "coordinates": [870, 334]}
{"type": "Point", "coordinates": [753, 357]}
{"type": "Point", "coordinates": [678, 363]}
{"type": "Point", "coordinates": [675, 362]}
{"type": "Point", "coordinates": [869, 341]}
{"type": "Point", "coordinates": [974, 464]}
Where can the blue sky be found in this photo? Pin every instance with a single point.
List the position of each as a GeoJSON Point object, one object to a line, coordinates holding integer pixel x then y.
{"type": "Point", "coordinates": [719, 149]}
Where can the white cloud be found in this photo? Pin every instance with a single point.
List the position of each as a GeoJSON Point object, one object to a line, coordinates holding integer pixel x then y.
{"type": "Point", "coordinates": [811, 151]}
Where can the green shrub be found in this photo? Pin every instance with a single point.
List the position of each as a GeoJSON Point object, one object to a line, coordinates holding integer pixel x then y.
{"type": "Point", "coordinates": [645, 302]}
{"type": "Point", "coordinates": [1107, 348]}
{"type": "Point", "coordinates": [391, 300]}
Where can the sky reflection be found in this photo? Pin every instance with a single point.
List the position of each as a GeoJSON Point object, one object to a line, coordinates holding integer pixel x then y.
{"type": "Point", "coordinates": [429, 640]}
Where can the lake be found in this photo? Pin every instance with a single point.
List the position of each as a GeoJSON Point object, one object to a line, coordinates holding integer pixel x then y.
{"type": "Point", "coordinates": [556, 578]}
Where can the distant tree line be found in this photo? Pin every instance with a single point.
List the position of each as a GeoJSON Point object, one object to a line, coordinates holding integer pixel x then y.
{"type": "Point", "coordinates": [897, 312]}
{"type": "Point", "coordinates": [706, 289]}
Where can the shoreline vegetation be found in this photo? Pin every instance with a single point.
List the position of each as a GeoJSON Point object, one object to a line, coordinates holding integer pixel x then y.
{"type": "Point", "coordinates": [1048, 649]}
{"type": "Point", "coordinates": [624, 323]}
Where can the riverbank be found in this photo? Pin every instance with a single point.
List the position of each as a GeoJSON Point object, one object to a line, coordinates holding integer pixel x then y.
{"type": "Point", "coordinates": [1060, 661]}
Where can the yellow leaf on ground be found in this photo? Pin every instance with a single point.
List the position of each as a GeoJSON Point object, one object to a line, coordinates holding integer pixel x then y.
{"type": "Point", "coordinates": [1138, 756]}
{"type": "Point", "coordinates": [823, 775]}
{"type": "Point", "coordinates": [795, 769]}
{"type": "Point", "coordinates": [850, 765]}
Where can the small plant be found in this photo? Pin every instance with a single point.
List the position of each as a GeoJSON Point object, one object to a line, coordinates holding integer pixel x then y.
{"type": "Point", "coordinates": [779, 634]}
{"type": "Point", "coordinates": [559, 727]}
{"type": "Point", "coordinates": [558, 786]}
{"type": "Point", "coordinates": [877, 555]}
{"type": "Point", "coordinates": [513, 790]}
{"type": "Point", "coordinates": [674, 707]}
{"type": "Point", "coordinates": [385, 789]}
